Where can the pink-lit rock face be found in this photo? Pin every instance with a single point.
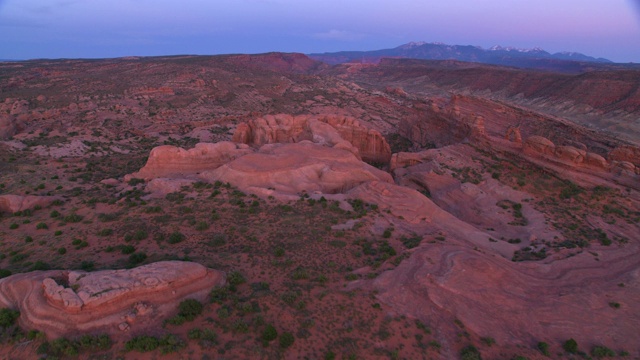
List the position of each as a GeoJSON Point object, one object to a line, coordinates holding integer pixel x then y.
{"type": "Point", "coordinates": [60, 302]}
{"type": "Point", "coordinates": [171, 161]}
{"type": "Point", "coordinates": [13, 203]}
{"type": "Point", "coordinates": [345, 132]}
{"type": "Point", "coordinates": [297, 167]}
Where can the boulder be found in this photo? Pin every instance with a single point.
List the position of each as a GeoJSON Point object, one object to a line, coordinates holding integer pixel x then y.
{"type": "Point", "coordinates": [570, 154]}
{"type": "Point", "coordinates": [13, 203]}
{"type": "Point", "coordinates": [539, 144]}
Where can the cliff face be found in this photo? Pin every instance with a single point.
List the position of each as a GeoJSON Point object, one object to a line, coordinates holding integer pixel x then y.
{"type": "Point", "coordinates": [368, 144]}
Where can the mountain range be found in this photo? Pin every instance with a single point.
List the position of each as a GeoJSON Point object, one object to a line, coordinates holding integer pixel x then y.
{"type": "Point", "coordinates": [497, 55]}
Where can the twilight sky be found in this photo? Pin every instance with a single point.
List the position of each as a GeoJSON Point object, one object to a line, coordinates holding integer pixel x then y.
{"type": "Point", "coordinates": [113, 28]}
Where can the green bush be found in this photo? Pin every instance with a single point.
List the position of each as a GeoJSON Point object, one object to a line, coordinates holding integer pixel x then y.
{"type": "Point", "coordinates": [202, 226]}
{"type": "Point", "coordinates": [62, 251]}
{"type": "Point", "coordinates": [544, 348]}
{"type": "Point", "coordinates": [286, 340]}
{"type": "Point", "coordinates": [54, 214]}
{"type": "Point", "coordinates": [470, 352]}
{"type": "Point", "coordinates": [269, 333]}
{"type": "Point", "coordinates": [570, 346]}
{"type": "Point", "coordinates": [4, 273]}
{"type": "Point", "coordinates": [176, 237]}
{"type": "Point", "coordinates": [142, 343]}
{"type": "Point", "coordinates": [602, 351]}
{"type": "Point", "coordinates": [235, 278]}
{"type": "Point", "coordinates": [8, 317]}
{"type": "Point", "coordinates": [73, 218]}
{"type": "Point", "coordinates": [128, 249]}
{"type": "Point", "coordinates": [190, 309]}
{"type": "Point", "coordinates": [137, 258]}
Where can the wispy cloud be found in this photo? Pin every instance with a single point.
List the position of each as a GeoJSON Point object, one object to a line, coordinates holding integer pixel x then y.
{"type": "Point", "coordinates": [334, 34]}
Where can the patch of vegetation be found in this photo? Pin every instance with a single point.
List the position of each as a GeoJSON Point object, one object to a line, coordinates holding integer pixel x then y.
{"type": "Point", "coordinates": [188, 310]}
{"type": "Point", "coordinates": [8, 317]}
{"type": "Point", "coordinates": [470, 352]}
{"type": "Point", "coordinates": [570, 346]}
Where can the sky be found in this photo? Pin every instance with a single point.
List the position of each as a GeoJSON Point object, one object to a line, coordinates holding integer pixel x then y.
{"type": "Point", "coordinates": [115, 28]}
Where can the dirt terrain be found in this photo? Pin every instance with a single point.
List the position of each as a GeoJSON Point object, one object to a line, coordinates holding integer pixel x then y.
{"type": "Point", "coordinates": [406, 210]}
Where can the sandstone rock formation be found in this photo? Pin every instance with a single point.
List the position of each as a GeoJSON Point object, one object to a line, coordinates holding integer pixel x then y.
{"type": "Point", "coordinates": [512, 303]}
{"type": "Point", "coordinates": [626, 153]}
{"type": "Point", "coordinates": [402, 159]}
{"type": "Point", "coordinates": [62, 303]}
{"type": "Point", "coordinates": [621, 159]}
{"type": "Point", "coordinates": [13, 203]}
{"type": "Point", "coordinates": [297, 167]}
{"type": "Point", "coordinates": [513, 134]}
{"type": "Point", "coordinates": [7, 126]}
{"type": "Point", "coordinates": [344, 132]}
{"type": "Point", "coordinates": [167, 160]}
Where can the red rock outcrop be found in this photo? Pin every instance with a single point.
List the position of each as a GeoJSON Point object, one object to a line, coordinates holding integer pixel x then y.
{"type": "Point", "coordinates": [297, 167]}
{"type": "Point", "coordinates": [13, 203]}
{"type": "Point", "coordinates": [63, 303]}
{"type": "Point", "coordinates": [171, 161]}
{"type": "Point", "coordinates": [370, 144]}
{"type": "Point", "coordinates": [621, 159]}
{"type": "Point", "coordinates": [626, 153]}
{"type": "Point", "coordinates": [539, 144]}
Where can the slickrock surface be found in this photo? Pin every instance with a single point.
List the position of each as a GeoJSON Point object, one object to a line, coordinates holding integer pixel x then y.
{"type": "Point", "coordinates": [295, 168]}
{"type": "Point", "coordinates": [62, 303]}
{"type": "Point", "coordinates": [519, 303]}
{"type": "Point", "coordinates": [167, 160]}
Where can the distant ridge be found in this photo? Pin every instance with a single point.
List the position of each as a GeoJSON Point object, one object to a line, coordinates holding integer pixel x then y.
{"type": "Point", "coordinates": [497, 55]}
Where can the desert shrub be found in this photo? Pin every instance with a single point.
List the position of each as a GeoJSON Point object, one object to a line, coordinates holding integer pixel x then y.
{"type": "Point", "coordinates": [4, 273]}
{"type": "Point", "coordinates": [202, 226]}
{"type": "Point", "coordinates": [135, 181]}
{"type": "Point", "coordinates": [470, 352]}
{"type": "Point", "coordinates": [570, 346]}
{"type": "Point", "coordinates": [142, 343]}
{"type": "Point", "coordinates": [219, 295]}
{"type": "Point", "coordinates": [140, 234]}
{"type": "Point", "coordinates": [8, 317]}
{"type": "Point", "coordinates": [137, 258]}
{"type": "Point", "coordinates": [175, 237]}
{"type": "Point", "coordinates": [544, 348]}
{"type": "Point", "coordinates": [602, 351]}
{"type": "Point", "coordinates": [188, 310]}
{"type": "Point", "coordinates": [105, 232]}
{"type": "Point", "coordinates": [62, 250]}
{"type": "Point", "coordinates": [269, 333]}
{"type": "Point", "coordinates": [13, 226]}
{"type": "Point", "coordinates": [57, 233]}
{"type": "Point", "coordinates": [73, 218]}
{"type": "Point", "coordinates": [54, 214]}
{"type": "Point", "coordinates": [286, 340]}
{"type": "Point", "coordinates": [235, 278]}
{"type": "Point", "coordinates": [40, 265]}
{"type": "Point", "coordinates": [108, 217]}
{"type": "Point", "coordinates": [387, 233]}
{"type": "Point", "coordinates": [411, 242]}
{"type": "Point", "coordinates": [128, 249]}
{"type": "Point", "coordinates": [28, 239]}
